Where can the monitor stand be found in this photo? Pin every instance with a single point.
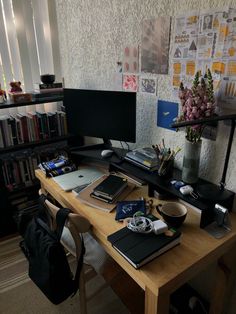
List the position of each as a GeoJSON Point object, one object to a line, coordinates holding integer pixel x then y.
{"type": "Point", "coordinates": [105, 145]}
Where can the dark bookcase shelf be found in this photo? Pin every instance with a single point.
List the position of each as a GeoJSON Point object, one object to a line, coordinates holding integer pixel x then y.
{"type": "Point", "coordinates": [10, 197]}
{"type": "Point", "coordinates": [8, 104]}
{"type": "Point", "coordinates": [35, 143]}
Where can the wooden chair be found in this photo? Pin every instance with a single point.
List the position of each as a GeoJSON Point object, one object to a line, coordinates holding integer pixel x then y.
{"type": "Point", "coordinates": [71, 240]}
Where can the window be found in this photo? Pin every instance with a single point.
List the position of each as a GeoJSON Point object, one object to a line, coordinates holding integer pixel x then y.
{"type": "Point", "coordinates": [28, 42]}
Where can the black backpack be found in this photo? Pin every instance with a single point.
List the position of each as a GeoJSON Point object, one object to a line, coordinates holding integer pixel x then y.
{"type": "Point", "coordinates": [48, 265]}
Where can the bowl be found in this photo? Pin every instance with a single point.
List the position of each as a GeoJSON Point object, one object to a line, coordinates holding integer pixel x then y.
{"type": "Point", "coordinates": [47, 78]}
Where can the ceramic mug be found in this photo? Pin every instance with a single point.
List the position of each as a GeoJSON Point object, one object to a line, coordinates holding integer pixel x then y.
{"type": "Point", "coordinates": [173, 213]}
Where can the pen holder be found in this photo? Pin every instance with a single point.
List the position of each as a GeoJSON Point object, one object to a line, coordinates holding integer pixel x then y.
{"type": "Point", "coordinates": [166, 167]}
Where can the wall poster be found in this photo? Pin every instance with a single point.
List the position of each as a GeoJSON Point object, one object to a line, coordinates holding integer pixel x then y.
{"type": "Point", "coordinates": [203, 40]}
{"type": "Point", "coordinates": [155, 45]}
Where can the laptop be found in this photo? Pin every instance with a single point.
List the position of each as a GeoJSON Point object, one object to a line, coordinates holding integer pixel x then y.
{"type": "Point", "coordinates": [77, 178]}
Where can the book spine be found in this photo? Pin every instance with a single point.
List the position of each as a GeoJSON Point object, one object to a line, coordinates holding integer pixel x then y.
{"type": "Point", "coordinates": [19, 131]}
{"type": "Point", "coordinates": [12, 122]}
{"type": "Point", "coordinates": [6, 131]}
{"type": "Point", "coordinates": [48, 86]}
{"type": "Point", "coordinates": [1, 139]}
{"type": "Point", "coordinates": [51, 91]}
{"type": "Point", "coordinates": [24, 126]}
{"type": "Point", "coordinates": [3, 135]}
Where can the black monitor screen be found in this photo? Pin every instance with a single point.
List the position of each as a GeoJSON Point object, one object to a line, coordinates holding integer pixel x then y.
{"type": "Point", "coordinates": [110, 115]}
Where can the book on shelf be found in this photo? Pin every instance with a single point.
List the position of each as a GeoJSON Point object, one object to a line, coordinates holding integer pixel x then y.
{"type": "Point", "coordinates": [140, 248]}
{"type": "Point", "coordinates": [5, 130]}
{"type": "Point", "coordinates": [47, 95]}
{"type": "Point", "coordinates": [110, 188]}
{"type": "Point", "coordinates": [1, 139]}
{"type": "Point", "coordinates": [145, 158]}
{"type": "Point", "coordinates": [42, 86]}
{"type": "Point", "coordinates": [23, 121]}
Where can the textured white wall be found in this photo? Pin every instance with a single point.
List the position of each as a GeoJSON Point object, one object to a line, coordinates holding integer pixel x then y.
{"type": "Point", "coordinates": [93, 34]}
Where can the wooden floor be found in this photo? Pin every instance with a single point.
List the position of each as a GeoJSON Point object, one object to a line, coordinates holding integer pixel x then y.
{"type": "Point", "coordinates": [123, 285]}
{"type": "Point", "coordinates": [125, 288]}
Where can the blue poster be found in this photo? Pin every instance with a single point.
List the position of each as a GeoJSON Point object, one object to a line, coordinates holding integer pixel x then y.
{"type": "Point", "coordinates": [167, 112]}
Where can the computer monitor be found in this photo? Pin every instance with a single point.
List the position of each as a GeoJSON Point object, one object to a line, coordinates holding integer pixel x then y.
{"type": "Point", "coordinates": [109, 115]}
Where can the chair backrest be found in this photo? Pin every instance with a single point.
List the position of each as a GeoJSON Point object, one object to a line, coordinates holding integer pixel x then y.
{"type": "Point", "coordinates": [75, 225]}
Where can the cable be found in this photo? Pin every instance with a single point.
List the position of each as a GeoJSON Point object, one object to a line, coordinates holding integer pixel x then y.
{"type": "Point", "coordinates": [143, 224]}
{"type": "Point", "coordinates": [123, 145]}
{"type": "Point", "coordinates": [193, 301]}
{"type": "Point", "coordinates": [140, 224]}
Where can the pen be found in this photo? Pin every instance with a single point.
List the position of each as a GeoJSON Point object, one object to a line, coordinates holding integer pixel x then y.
{"type": "Point", "coordinates": [163, 143]}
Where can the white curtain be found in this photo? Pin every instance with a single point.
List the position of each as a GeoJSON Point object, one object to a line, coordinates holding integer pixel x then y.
{"type": "Point", "coordinates": [28, 42]}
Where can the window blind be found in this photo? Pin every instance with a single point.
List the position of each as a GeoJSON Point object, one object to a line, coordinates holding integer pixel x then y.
{"type": "Point", "coordinates": [28, 42]}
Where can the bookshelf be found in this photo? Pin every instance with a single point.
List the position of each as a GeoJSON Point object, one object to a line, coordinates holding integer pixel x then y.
{"type": "Point", "coordinates": [44, 136]}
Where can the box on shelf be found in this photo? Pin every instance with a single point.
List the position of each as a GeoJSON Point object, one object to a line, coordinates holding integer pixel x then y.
{"type": "Point", "coordinates": [20, 97]}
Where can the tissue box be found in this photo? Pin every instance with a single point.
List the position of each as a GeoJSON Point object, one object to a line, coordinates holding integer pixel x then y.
{"type": "Point", "coordinates": [20, 97]}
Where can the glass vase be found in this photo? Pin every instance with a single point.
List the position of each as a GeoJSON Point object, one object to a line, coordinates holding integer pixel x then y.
{"type": "Point", "coordinates": [191, 161]}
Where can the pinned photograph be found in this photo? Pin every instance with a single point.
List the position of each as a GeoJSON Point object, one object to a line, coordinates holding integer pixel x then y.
{"type": "Point", "coordinates": [155, 45]}
{"type": "Point", "coordinates": [130, 83]}
{"type": "Point", "coordinates": [130, 60]}
{"type": "Point", "coordinates": [148, 85]}
{"type": "Point", "coordinates": [167, 113]}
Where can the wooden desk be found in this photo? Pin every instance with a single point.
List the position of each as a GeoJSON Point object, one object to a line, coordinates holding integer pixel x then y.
{"type": "Point", "coordinates": [169, 271]}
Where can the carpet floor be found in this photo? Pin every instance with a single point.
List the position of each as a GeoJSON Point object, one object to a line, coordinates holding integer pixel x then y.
{"type": "Point", "coordinates": [19, 295]}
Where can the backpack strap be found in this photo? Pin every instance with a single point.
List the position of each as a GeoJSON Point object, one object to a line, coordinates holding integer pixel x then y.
{"type": "Point", "coordinates": [79, 267]}
{"type": "Point", "coordinates": [61, 217]}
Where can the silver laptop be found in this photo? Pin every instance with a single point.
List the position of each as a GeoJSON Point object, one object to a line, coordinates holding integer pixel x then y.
{"type": "Point", "coordinates": [77, 178]}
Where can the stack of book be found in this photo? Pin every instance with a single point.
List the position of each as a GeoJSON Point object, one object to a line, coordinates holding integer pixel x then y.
{"type": "Point", "coordinates": [110, 189]}
{"type": "Point", "coordinates": [145, 158]}
{"type": "Point", "coordinates": [52, 90]}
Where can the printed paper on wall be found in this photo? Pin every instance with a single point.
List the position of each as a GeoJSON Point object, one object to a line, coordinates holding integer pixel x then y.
{"type": "Point", "coordinates": [167, 112]}
{"type": "Point", "coordinates": [131, 60]}
{"type": "Point", "coordinates": [130, 82]}
{"type": "Point", "coordinates": [155, 45]}
{"type": "Point", "coordinates": [202, 41]}
{"type": "Point", "coordinates": [148, 85]}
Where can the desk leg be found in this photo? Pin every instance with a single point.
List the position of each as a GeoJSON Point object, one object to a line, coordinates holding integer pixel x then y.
{"type": "Point", "coordinates": [225, 278]}
{"type": "Point", "coordinates": [156, 304]}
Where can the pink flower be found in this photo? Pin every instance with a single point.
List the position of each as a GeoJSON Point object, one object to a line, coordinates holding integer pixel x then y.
{"type": "Point", "coordinates": [197, 103]}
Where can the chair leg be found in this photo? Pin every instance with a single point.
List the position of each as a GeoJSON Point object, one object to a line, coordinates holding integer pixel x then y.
{"type": "Point", "coordinates": [82, 293]}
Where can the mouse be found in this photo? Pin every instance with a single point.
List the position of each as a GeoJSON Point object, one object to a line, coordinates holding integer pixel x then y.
{"type": "Point", "coordinates": [107, 153]}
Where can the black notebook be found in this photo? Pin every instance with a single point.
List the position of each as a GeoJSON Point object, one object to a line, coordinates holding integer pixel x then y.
{"type": "Point", "coordinates": [139, 248]}
{"type": "Point", "coordinates": [110, 188]}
